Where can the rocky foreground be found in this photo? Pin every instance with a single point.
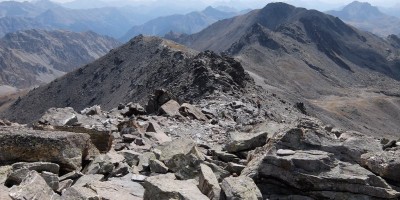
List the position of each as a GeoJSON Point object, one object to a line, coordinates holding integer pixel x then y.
{"type": "Point", "coordinates": [224, 147]}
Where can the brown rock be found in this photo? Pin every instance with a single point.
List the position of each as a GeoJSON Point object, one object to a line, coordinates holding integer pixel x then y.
{"type": "Point", "coordinates": [171, 108]}
{"type": "Point", "coordinates": [208, 183]}
{"type": "Point", "coordinates": [191, 111]}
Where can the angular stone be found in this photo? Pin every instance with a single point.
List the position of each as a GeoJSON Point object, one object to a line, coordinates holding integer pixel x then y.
{"type": "Point", "coordinates": [94, 110]}
{"type": "Point", "coordinates": [182, 157]}
{"type": "Point", "coordinates": [208, 183]}
{"type": "Point", "coordinates": [74, 193]}
{"type": "Point", "coordinates": [59, 117]}
{"type": "Point", "coordinates": [246, 141]}
{"type": "Point", "coordinates": [87, 179]}
{"type": "Point", "coordinates": [235, 168]}
{"type": "Point", "coordinates": [157, 166]}
{"type": "Point", "coordinates": [386, 164]}
{"type": "Point", "coordinates": [104, 163]}
{"type": "Point", "coordinates": [191, 111]}
{"type": "Point", "coordinates": [64, 148]}
{"type": "Point", "coordinates": [144, 161]}
{"type": "Point", "coordinates": [64, 185]}
{"type": "Point", "coordinates": [171, 108]}
{"type": "Point", "coordinates": [155, 133]}
{"type": "Point", "coordinates": [71, 175]}
{"type": "Point", "coordinates": [167, 187]}
{"type": "Point", "coordinates": [224, 156]}
{"type": "Point", "coordinates": [16, 177]}
{"type": "Point", "coordinates": [241, 187]}
{"type": "Point", "coordinates": [51, 179]}
{"type": "Point", "coordinates": [131, 157]}
{"type": "Point", "coordinates": [38, 166]}
{"type": "Point", "coordinates": [32, 187]}
{"type": "Point", "coordinates": [117, 189]}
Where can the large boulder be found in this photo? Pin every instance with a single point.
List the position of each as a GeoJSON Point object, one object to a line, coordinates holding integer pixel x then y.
{"type": "Point", "coordinates": [24, 145]}
{"type": "Point", "coordinates": [385, 163]}
{"type": "Point", "coordinates": [181, 156]}
{"type": "Point", "coordinates": [236, 188]}
{"type": "Point", "coordinates": [320, 171]}
{"type": "Point", "coordinates": [167, 187]}
{"type": "Point", "coordinates": [246, 141]}
{"type": "Point", "coordinates": [66, 119]}
{"type": "Point", "coordinates": [33, 187]}
{"type": "Point", "coordinates": [170, 108]}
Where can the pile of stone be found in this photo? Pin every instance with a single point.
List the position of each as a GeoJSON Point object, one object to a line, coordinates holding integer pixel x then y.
{"type": "Point", "coordinates": [169, 150]}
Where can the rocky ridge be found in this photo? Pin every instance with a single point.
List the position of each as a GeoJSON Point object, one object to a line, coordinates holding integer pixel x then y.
{"type": "Point", "coordinates": [35, 57]}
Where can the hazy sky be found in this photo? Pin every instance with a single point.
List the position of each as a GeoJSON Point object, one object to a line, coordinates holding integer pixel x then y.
{"type": "Point", "coordinates": [315, 4]}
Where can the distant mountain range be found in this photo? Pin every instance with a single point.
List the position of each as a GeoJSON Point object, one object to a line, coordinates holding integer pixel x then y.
{"type": "Point", "coordinates": [187, 24]}
{"type": "Point", "coordinates": [34, 57]}
{"type": "Point", "coordinates": [369, 18]}
{"type": "Point", "coordinates": [305, 54]}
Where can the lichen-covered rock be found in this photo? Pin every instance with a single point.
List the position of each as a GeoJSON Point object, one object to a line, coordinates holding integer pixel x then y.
{"type": "Point", "coordinates": [25, 145]}
{"type": "Point", "coordinates": [236, 188]}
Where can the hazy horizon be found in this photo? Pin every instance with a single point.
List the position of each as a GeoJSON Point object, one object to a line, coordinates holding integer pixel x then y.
{"type": "Point", "coordinates": [238, 4]}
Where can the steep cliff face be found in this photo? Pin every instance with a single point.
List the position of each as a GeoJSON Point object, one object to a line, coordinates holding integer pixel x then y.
{"type": "Point", "coordinates": [34, 57]}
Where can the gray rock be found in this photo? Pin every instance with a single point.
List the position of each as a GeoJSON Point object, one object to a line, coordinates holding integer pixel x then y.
{"type": "Point", "coordinates": [15, 177]}
{"type": "Point", "coordinates": [144, 161]}
{"type": "Point", "coordinates": [235, 168]}
{"type": "Point", "coordinates": [59, 117]}
{"type": "Point", "coordinates": [104, 163]}
{"type": "Point", "coordinates": [67, 149]}
{"type": "Point", "coordinates": [319, 171]}
{"type": "Point", "coordinates": [79, 193]}
{"type": "Point", "coordinates": [94, 110]}
{"type": "Point", "coordinates": [117, 190]}
{"type": "Point", "coordinates": [208, 183]}
{"type": "Point", "coordinates": [38, 166]}
{"type": "Point", "coordinates": [131, 157]}
{"type": "Point", "coordinates": [246, 141]}
{"type": "Point", "coordinates": [386, 164]}
{"type": "Point", "coordinates": [167, 187]}
{"type": "Point", "coordinates": [32, 187]}
{"type": "Point", "coordinates": [51, 179]}
{"type": "Point", "coordinates": [219, 172]}
{"type": "Point", "coordinates": [242, 187]}
{"type": "Point", "coordinates": [224, 156]}
{"type": "Point", "coordinates": [191, 111]}
{"type": "Point", "coordinates": [156, 134]}
{"type": "Point", "coordinates": [157, 166]}
{"type": "Point", "coordinates": [121, 170]}
{"type": "Point", "coordinates": [71, 175]}
{"type": "Point", "coordinates": [87, 179]}
{"type": "Point", "coordinates": [170, 108]}
{"type": "Point", "coordinates": [64, 185]}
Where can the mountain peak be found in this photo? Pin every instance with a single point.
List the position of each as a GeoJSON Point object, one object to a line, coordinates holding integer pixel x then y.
{"type": "Point", "coordinates": [361, 10]}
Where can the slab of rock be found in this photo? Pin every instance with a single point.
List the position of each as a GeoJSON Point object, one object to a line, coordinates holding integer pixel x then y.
{"type": "Point", "coordinates": [138, 178]}
{"type": "Point", "coordinates": [171, 108]}
{"type": "Point", "coordinates": [87, 179]}
{"type": "Point", "coordinates": [208, 183]}
{"type": "Point", "coordinates": [241, 187]}
{"type": "Point", "coordinates": [191, 111]}
{"type": "Point", "coordinates": [167, 187]}
{"type": "Point", "coordinates": [155, 133]}
{"type": "Point", "coordinates": [64, 185]}
{"type": "Point", "coordinates": [235, 168]}
{"type": "Point", "coordinates": [320, 171]}
{"type": "Point", "coordinates": [131, 157]}
{"type": "Point", "coordinates": [38, 166]}
{"type": "Point", "coordinates": [25, 145]}
{"type": "Point", "coordinates": [74, 193]}
{"type": "Point", "coordinates": [94, 110]}
{"type": "Point", "coordinates": [104, 163]}
{"type": "Point", "coordinates": [246, 141]}
{"type": "Point", "coordinates": [385, 163]}
{"type": "Point", "coordinates": [117, 190]}
{"type": "Point", "coordinates": [15, 177]}
{"type": "Point", "coordinates": [285, 152]}
{"type": "Point", "coordinates": [32, 187]}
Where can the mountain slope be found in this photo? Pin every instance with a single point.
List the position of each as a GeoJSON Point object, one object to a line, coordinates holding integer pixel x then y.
{"type": "Point", "coordinates": [34, 57]}
{"type": "Point", "coordinates": [131, 73]}
{"type": "Point", "coordinates": [188, 24]}
{"type": "Point", "coordinates": [369, 18]}
{"type": "Point", "coordinates": [308, 55]}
